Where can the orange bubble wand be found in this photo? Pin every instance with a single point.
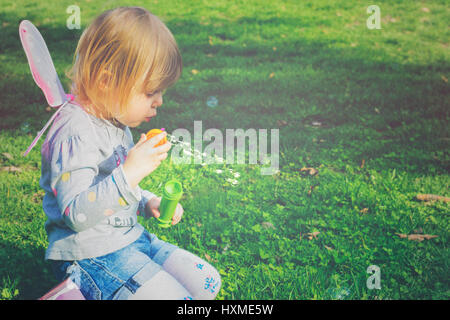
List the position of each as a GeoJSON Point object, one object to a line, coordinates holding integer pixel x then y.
{"type": "Point", "coordinates": [155, 132]}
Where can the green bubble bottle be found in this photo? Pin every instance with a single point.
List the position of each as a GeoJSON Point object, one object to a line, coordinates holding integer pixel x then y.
{"type": "Point", "coordinates": [172, 193]}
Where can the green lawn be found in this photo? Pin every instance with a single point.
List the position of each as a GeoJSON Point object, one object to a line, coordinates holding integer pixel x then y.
{"type": "Point", "coordinates": [368, 109]}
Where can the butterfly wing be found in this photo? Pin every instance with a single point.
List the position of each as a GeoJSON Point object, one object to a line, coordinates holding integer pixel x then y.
{"type": "Point", "coordinates": [41, 64]}
{"type": "Point", "coordinates": [43, 71]}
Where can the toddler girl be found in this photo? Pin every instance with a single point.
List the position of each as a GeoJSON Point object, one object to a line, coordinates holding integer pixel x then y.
{"type": "Point", "coordinates": [91, 170]}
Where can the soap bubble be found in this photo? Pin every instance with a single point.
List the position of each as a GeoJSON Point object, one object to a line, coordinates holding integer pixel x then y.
{"type": "Point", "coordinates": [25, 127]}
{"type": "Point", "coordinates": [212, 102]}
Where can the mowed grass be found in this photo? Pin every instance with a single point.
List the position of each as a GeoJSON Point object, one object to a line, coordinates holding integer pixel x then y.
{"type": "Point", "coordinates": [367, 109]}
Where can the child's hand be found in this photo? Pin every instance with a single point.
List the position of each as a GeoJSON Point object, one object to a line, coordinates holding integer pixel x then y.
{"type": "Point", "coordinates": [143, 158]}
{"type": "Point", "coordinates": [152, 210]}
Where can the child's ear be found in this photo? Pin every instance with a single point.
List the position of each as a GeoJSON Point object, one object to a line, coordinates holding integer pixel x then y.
{"type": "Point", "coordinates": [104, 80]}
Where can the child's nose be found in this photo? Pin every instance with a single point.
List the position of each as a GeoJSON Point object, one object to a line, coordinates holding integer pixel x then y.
{"type": "Point", "coordinates": [159, 100]}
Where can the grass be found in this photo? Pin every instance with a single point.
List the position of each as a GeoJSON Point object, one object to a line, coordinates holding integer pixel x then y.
{"type": "Point", "coordinates": [368, 109]}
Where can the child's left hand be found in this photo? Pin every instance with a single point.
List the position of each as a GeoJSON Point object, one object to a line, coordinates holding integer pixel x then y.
{"type": "Point", "coordinates": [152, 210]}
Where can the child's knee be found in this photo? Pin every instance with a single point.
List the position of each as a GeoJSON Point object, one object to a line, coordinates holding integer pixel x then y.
{"type": "Point", "coordinates": [208, 278]}
{"type": "Point", "coordinates": [212, 283]}
{"type": "Point", "coordinates": [207, 281]}
{"type": "Point", "coordinates": [196, 274]}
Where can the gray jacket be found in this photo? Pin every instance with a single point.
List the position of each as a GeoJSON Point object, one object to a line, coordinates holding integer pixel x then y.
{"type": "Point", "coordinates": [91, 209]}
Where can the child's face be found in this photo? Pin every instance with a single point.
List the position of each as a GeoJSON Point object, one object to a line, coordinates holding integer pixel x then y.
{"type": "Point", "coordinates": [142, 108]}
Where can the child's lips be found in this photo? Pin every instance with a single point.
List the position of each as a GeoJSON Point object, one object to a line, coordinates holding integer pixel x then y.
{"type": "Point", "coordinates": [147, 119]}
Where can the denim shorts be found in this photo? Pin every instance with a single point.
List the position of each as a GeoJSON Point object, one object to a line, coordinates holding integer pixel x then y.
{"type": "Point", "coordinates": [117, 275]}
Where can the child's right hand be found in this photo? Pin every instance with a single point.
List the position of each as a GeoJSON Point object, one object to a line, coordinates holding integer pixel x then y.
{"type": "Point", "coordinates": [144, 158]}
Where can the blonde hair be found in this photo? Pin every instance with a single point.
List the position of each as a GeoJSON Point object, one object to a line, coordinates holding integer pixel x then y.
{"type": "Point", "coordinates": [125, 50]}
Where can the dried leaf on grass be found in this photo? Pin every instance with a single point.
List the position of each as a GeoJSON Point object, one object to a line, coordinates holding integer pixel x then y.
{"type": "Point", "coordinates": [11, 169]}
{"type": "Point", "coordinates": [281, 123]}
{"type": "Point", "coordinates": [432, 197]}
{"type": "Point", "coordinates": [311, 171]}
{"type": "Point", "coordinates": [208, 258]}
{"type": "Point", "coordinates": [267, 225]}
{"type": "Point", "coordinates": [7, 155]}
{"type": "Point", "coordinates": [416, 237]}
{"type": "Point", "coordinates": [312, 235]}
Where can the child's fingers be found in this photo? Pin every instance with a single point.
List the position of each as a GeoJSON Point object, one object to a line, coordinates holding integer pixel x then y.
{"type": "Point", "coordinates": [156, 213]}
{"type": "Point", "coordinates": [162, 156]}
{"type": "Point", "coordinates": [164, 148]}
{"type": "Point", "coordinates": [160, 152]}
{"type": "Point", "coordinates": [178, 214]}
{"type": "Point", "coordinates": [141, 140]}
{"type": "Point", "coordinates": [154, 140]}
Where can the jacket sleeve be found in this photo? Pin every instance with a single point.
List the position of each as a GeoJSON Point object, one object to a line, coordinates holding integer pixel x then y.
{"type": "Point", "coordinates": [82, 200]}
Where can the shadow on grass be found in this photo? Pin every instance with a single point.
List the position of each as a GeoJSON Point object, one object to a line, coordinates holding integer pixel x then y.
{"type": "Point", "coordinates": [24, 269]}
